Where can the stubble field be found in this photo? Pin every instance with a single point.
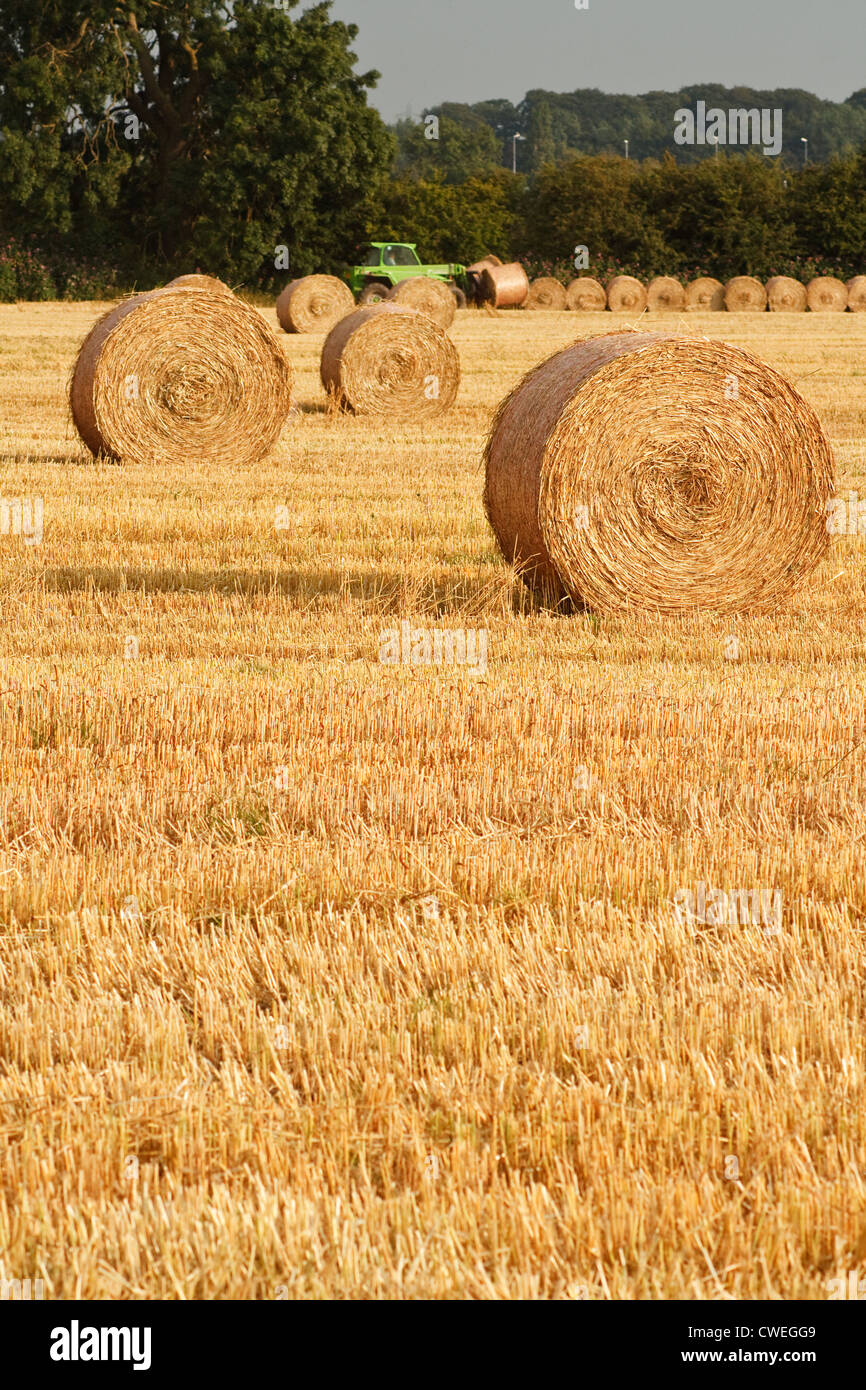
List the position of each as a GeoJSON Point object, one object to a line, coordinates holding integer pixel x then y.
{"type": "Point", "coordinates": [322, 977]}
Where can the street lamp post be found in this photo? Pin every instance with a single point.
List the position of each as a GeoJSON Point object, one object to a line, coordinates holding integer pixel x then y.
{"type": "Point", "coordinates": [805, 144]}
{"type": "Point", "coordinates": [625, 142]}
{"type": "Point", "coordinates": [514, 139]}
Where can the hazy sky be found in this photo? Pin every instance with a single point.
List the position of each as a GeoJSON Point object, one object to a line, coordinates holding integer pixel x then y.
{"type": "Point", "coordinates": [469, 50]}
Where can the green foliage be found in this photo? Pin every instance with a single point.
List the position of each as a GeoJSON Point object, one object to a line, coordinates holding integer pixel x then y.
{"type": "Point", "coordinates": [449, 222]}
{"type": "Point", "coordinates": [461, 150]}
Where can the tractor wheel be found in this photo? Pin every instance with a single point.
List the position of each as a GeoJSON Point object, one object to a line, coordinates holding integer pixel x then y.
{"type": "Point", "coordinates": [459, 296]}
{"type": "Point", "coordinates": [373, 292]}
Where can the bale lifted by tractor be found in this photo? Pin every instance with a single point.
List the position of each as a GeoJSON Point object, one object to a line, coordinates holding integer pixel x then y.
{"type": "Point", "coordinates": [385, 264]}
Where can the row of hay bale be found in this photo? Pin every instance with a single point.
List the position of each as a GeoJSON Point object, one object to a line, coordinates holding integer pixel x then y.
{"type": "Point", "coordinates": [664, 294]}
{"type": "Point", "coordinates": [191, 371]}
{"type": "Point", "coordinates": [315, 303]}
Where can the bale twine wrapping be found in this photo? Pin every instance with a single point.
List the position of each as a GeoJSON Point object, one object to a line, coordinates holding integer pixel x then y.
{"type": "Point", "coordinates": [856, 288]}
{"type": "Point", "coordinates": [314, 303]}
{"type": "Point", "coordinates": [586, 296]}
{"type": "Point", "coordinates": [705, 295]}
{"type": "Point", "coordinates": [388, 359]}
{"type": "Point", "coordinates": [546, 293]}
{"type": "Point", "coordinates": [826, 295]}
{"type": "Point", "coordinates": [745, 295]}
{"type": "Point", "coordinates": [430, 297]}
{"type": "Point", "coordinates": [623, 472]}
{"type": "Point", "coordinates": [181, 374]}
{"type": "Point", "coordinates": [504, 286]}
{"type": "Point", "coordinates": [785, 295]}
{"type": "Point", "coordinates": [665, 295]}
{"type": "Point", "coordinates": [199, 282]}
{"type": "Point", "coordinates": [626, 295]}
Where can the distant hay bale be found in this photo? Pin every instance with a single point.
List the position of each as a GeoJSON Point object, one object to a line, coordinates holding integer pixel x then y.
{"type": "Point", "coordinates": [826, 295]}
{"type": "Point", "coordinates": [314, 303]}
{"type": "Point", "coordinates": [586, 296]}
{"type": "Point", "coordinates": [745, 295]}
{"type": "Point", "coordinates": [546, 293]}
{"type": "Point", "coordinates": [199, 282]}
{"type": "Point", "coordinates": [181, 373]}
{"type": "Point", "coordinates": [785, 295]}
{"type": "Point", "coordinates": [484, 263]}
{"type": "Point", "coordinates": [625, 472]}
{"type": "Point", "coordinates": [390, 360]}
{"type": "Point", "coordinates": [705, 295]}
{"type": "Point", "coordinates": [504, 286]}
{"type": "Point", "coordinates": [665, 295]}
{"type": "Point", "coordinates": [626, 295]}
{"type": "Point", "coordinates": [856, 288]}
{"type": "Point", "coordinates": [430, 297]}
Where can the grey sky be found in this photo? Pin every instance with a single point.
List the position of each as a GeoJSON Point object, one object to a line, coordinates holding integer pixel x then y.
{"type": "Point", "coordinates": [470, 50]}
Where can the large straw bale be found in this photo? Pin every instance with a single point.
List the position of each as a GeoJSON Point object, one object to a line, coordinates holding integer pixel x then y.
{"type": "Point", "coordinates": [389, 360]}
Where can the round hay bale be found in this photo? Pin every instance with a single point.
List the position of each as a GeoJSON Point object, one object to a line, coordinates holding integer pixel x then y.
{"type": "Point", "coordinates": [665, 295]}
{"type": "Point", "coordinates": [625, 472]}
{"type": "Point", "coordinates": [546, 293]}
{"type": "Point", "coordinates": [430, 297]}
{"type": "Point", "coordinates": [181, 374]}
{"type": "Point", "coordinates": [705, 295]}
{"type": "Point", "coordinates": [586, 296]}
{"type": "Point", "coordinates": [626, 295]}
{"type": "Point", "coordinates": [785, 295]}
{"type": "Point", "coordinates": [504, 286]}
{"type": "Point", "coordinates": [199, 282]}
{"type": "Point", "coordinates": [314, 303]}
{"type": "Point", "coordinates": [856, 288]}
{"type": "Point", "coordinates": [826, 295]}
{"type": "Point", "coordinates": [745, 295]}
{"type": "Point", "coordinates": [478, 266]}
{"type": "Point", "coordinates": [390, 360]}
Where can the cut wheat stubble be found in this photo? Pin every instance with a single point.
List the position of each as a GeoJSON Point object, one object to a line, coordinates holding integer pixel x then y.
{"type": "Point", "coordinates": [662, 473]}
{"type": "Point", "coordinates": [179, 373]}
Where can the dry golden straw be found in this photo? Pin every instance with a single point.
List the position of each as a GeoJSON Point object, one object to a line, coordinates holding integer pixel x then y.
{"type": "Point", "coordinates": [745, 295]}
{"type": "Point", "coordinates": [546, 293]}
{"type": "Point", "coordinates": [665, 295]}
{"type": "Point", "coordinates": [626, 295]}
{"type": "Point", "coordinates": [199, 282]}
{"type": "Point", "coordinates": [785, 295]}
{"type": "Point", "coordinates": [390, 360]}
{"type": "Point", "coordinates": [826, 295]}
{"type": "Point", "coordinates": [430, 297]}
{"type": "Point", "coordinates": [314, 303]}
{"type": "Point", "coordinates": [705, 295]}
{"type": "Point", "coordinates": [504, 286]}
{"type": "Point", "coordinates": [586, 296]}
{"type": "Point", "coordinates": [856, 288]}
{"type": "Point", "coordinates": [181, 373]}
{"type": "Point", "coordinates": [661, 473]}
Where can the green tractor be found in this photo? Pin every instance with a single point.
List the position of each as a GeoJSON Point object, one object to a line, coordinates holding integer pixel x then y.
{"type": "Point", "coordinates": [385, 264]}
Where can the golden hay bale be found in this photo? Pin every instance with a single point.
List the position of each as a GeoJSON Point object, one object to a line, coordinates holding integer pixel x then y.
{"type": "Point", "coordinates": [826, 295]}
{"type": "Point", "coordinates": [586, 296]}
{"type": "Point", "coordinates": [665, 295]}
{"type": "Point", "coordinates": [626, 295]}
{"type": "Point", "coordinates": [430, 297]}
{"type": "Point", "coordinates": [504, 286]}
{"type": "Point", "coordinates": [181, 374]}
{"type": "Point", "coordinates": [546, 293]}
{"type": "Point", "coordinates": [388, 359]}
{"type": "Point", "coordinates": [484, 263]}
{"type": "Point", "coordinates": [705, 295]}
{"type": "Point", "coordinates": [745, 295]}
{"type": "Point", "coordinates": [856, 288]}
{"type": "Point", "coordinates": [658, 472]}
{"type": "Point", "coordinates": [785, 295]}
{"type": "Point", "coordinates": [314, 303]}
{"type": "Point", "coordinates": [199, 282]}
